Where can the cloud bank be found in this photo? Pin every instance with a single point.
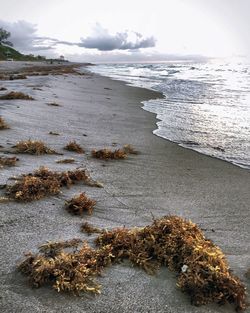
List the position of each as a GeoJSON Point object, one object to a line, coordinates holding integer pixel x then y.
{"type": "Point", "coordinates": [24, 37]}
{"type": "Point", "coordinates": [102, 40]}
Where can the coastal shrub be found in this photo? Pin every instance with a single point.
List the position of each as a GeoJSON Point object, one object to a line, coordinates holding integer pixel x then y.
{"type": "Point", "coordinates": [15, 95]}
{"type": "Point", "coordinates": [5, 161]}
{"type": "Point", "coordinates": [74, 147]}
{"type": "Point", "coordinates": [80, 204]}
{"type": "Point", "coordinates": [107, 154]}
{"type": "Point", "coordinates": [3, 124]}
{"type": "Point", "coordinates": [44, 182]}
{"type": "Point", "coordinates": [33, 147]}
{"type": "Point", "coordinates": [203, 272]}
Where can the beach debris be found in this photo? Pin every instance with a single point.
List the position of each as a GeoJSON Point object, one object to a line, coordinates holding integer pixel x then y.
{"type": "Point", "coordinates": [74, 147]}
{"type": "Point", "coordinates": [67, 271]}
{"type": "Point", "coordinates": [44, 182]}
{"type": "Point", "coordinates": [129, 149]}
{"type": "Point", "coordinates": [203, 272]}
{"type": "Point", "coordinates": [80, 204]}
{"type": "Point", "coordinates": [37, 88]}
{"type": "Point", "coordinates": [5, 161]}
{"type": "Point", "coordinates": [3, 88]}
{"type": "Point", "coordinates": [107, 88]}
{"type": "Point", "coordinates": [90, 229]}
{"type": "Point", "coordinates": [15, 95]}
{"type": "Point", "coordinates": [33, 147]}
{"type": "Point", "coordinates": [19, 76]}
{"type": "Point", "coordinates": [66, 161]}
{"type": "Point", "coordinates": [55, 104]}
{"type": "Point", "coordinates": [3, 124]}
{"type": "Point", "coordinates": [107, 154]}
{"type": "Point", "coordinates": [54, 133]}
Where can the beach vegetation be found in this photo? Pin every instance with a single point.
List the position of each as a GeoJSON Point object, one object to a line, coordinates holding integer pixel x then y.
{"type": "Point", "coordinates": [202, 270]}
{"type": "Point", "coordinates": [54, 133]}
{"type": "Point", "coordinates": [90, 229]}
{"type": "Point", "coordinates": [107, 154]}
{"type": "Point", "coordinates": [66, 161]}
{"type": "Point", "coordinates": [33, 147]}
{"type": "Point", "coordinates": [8, 161]}
{"type": "Point", "coordinates": [55, 104]}
{"type": "Point", "coordinates": [80, 204]}
{"type": "Point", "coordinates": [44, 182]}
{"type": "Point", "coordinates": [16, 96]}
{"type": "Point", "coordinates": [3, 124]}
{"type": "Point", "coordinates": [129, 149]}
{"type": "Point", "coordinates": [74, 147]}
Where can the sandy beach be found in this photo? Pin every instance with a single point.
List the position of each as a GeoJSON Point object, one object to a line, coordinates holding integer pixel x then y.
{"type": "Point", "coordinates": [162, 179]}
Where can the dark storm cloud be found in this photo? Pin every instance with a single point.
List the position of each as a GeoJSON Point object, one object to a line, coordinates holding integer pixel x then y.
{"type": "Point", "coordinates": [24, 38]}
{"type": "Point", "coordinates": [102, 40]}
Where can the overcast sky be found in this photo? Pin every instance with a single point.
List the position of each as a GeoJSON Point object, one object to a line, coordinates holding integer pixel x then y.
{"type": "Point", "coordinates": [128, 30]}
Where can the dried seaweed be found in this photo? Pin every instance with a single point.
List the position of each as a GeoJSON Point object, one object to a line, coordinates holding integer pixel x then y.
{"type": "Point", "coordinates": [19, 76]}
{"type": "Point", "coordinates": [54, 133]}
{"type": "Point", "coordinates": [15, 95]}
{"type": "Point", "coordinates": [67, 271]}
{"type": "Point", "coordinates": [54, 104]}
{"type": "Point", "coordinates": [3, 88]}
{"type": "Point", "coordinates": [80, 204]}
{"type": "Point", "coordinates": [89, 229]}
{"type": "Point", "coordinates": [33, 147]}
{"type": "Point", "coordinates": [180, 245]}
{"type": "Point", "coordinates": [107, 154]}
{"type": "Point", "coordinates": [5, 161]}
{"type": "Point", "coordinates": [129, 149]}
{"type": "Point", "coordinates": [44, 182]}
{"type": "Point", "coordinates": [3, 124]}
{"type": "Point", "coordinates": [171, 241]}
{"type": "Point", "coordinates": [73, 146]}
{"type": "Point", "coordinates": [66, 161]}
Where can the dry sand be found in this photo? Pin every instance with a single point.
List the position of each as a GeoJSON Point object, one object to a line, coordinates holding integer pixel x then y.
{"type": "Point", "coordinates": [163, 179]}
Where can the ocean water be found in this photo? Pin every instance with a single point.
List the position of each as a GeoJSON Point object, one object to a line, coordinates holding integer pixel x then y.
{"type": "Point", "coordinates": [206, 106]}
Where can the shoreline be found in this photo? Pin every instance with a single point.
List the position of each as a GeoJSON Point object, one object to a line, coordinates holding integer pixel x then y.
{"type": "Point", "coordinates": [159, 120]}
{"type": "Point", "coordinates": [163, 179]}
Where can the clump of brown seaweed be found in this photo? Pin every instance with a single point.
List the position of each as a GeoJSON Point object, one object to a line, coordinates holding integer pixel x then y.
{"type": "Point", "coordinates": [3, 124]}
{"type": "Point", "coordinates": [80, 204]}
{"type": "Point", "coordinates": [66, 161]}
{"type": "Point", "coordinates": [72, 271]}
{"type": "Point", "coordinates": [33, 147]}
{"type": "Point", "coordinates": [107, 154]}
{"type": "Point", "coordinates": [203, 272]}
{"type": "Point", "coordinates": [55, 104]}
{"type": "Point", "coordinates": [73, 146]}
{"type": "Point", "coordinates": [90, 229]}
{"type": "Point", "coordinates": [54, 133]}
{"type": "Point", "coordinates": [5, 161]}
{"type": "Point", "coordinates": [129, 149]}
{"type": "Point", "coordinates": [44, 182]}
{"type": "Point", "coordinates": [15, 95]}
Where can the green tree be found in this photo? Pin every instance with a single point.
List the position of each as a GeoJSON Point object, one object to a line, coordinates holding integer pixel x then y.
{"type": "Point", "coordinates": [4, 35]}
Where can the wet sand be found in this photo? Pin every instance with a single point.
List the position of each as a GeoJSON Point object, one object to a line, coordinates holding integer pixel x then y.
{"type": "Point", "coordinates": [163, 179]}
